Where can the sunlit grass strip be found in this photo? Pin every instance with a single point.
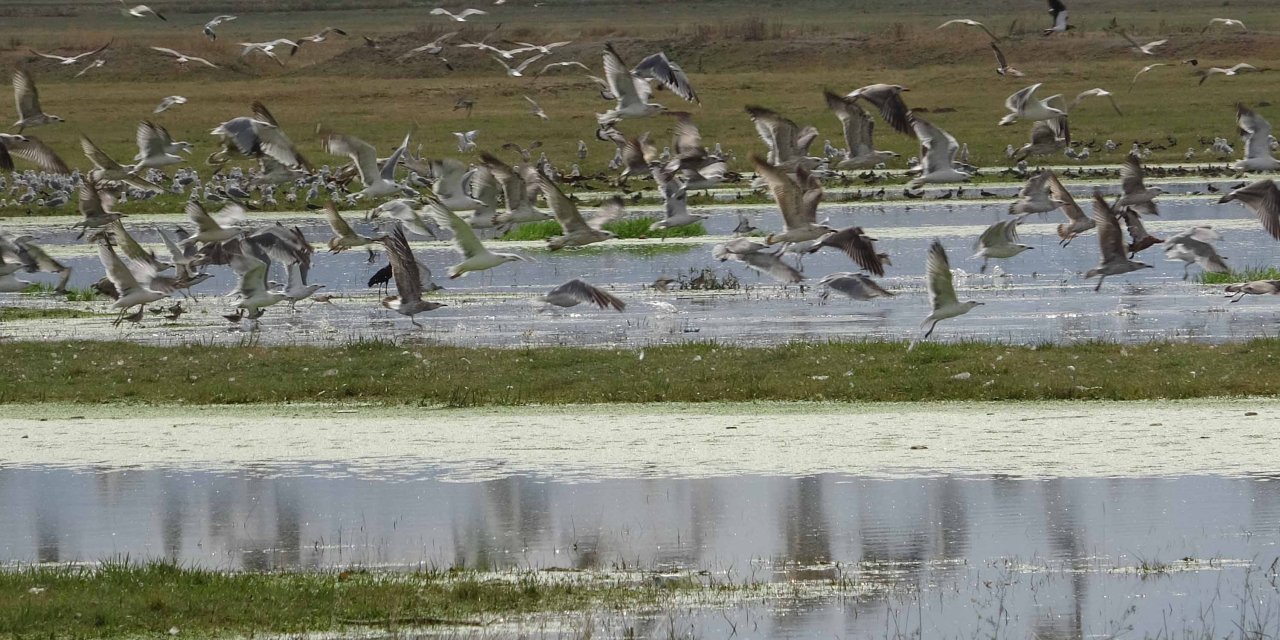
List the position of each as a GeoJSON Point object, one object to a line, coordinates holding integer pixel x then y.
{"type": "Point", "coordinates": [1248, 274]}
{"type": "Point", "coordinates": [627, 229]}
{"type": "Point", "coordinates": [399, 374]}
{"type": "Point", "coordinates": [8, 314]}
{"type": "Point", "coordinates": [147, 600]}
{"type": "Point", "coordinates": [73, 294]}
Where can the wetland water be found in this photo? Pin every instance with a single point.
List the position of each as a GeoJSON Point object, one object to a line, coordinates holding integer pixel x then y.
{"type": "Point", "coordinates": [1038, 296]}
{"type": "Point", "coordinates": [1069, 533]}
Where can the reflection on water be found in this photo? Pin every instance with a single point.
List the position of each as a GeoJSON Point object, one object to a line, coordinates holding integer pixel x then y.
{"type": "Point", "coordinates": [1056, 556]}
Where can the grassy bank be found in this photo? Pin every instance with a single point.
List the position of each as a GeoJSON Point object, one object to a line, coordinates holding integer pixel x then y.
{"type": "Point", "coordinates": [150, 600]}
{"type": "Point", "coordinates": [96, 372]}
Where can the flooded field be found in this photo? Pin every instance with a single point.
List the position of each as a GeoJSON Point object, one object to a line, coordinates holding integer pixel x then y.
{"type": "Point", "coordinates": [1039, 296]}
{"type": "Point", "coordinates": [891, 532]}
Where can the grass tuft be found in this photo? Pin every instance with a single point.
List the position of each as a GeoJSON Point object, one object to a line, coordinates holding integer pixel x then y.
{"type": "Point", "coordinates": [73, 294]}
{"type": "Point", "coordinates": [629, 228]}
{"type": "Point", "coordinates": [9, 314]}
{"type": "Point", "coordinates": [1248, 274]}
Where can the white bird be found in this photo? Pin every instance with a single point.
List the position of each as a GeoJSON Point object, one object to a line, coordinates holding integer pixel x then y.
{"type": "Point", "coordinates": [1256, 133]}
{"type": "Point", "coordinates": [857, 125]}
{"type": "Point", "coordinates": [1243, 67]}
{"type": "Point", "coordinates": [1226, 22]}
{"type": "Point", "coordinates": [344, 237]}
{"type": "Point", "coordinates": [209, 26]}
{"type": "Point", "coordinates": [321, 36]}
{"type": "Point", "coordinates": [631, 92]}
{"type": "Point", "coordinates": [887, 99]}
{"type": "Point", "coordinates": [1137, 196]}
{"type": "Point", "coordinates": [1023, 105]}
{"type": "Point", "coordinates": [1002, 64]}
{"type": "Point", "coordinates": [140, 11]}
{"type": "Point", "coordinates": [563, 65]}
{"type": "Point", "coordinates": [1143, 71]}
{"type": "Point", "coordinates": [675, 201]}
{"type": "Point", "coordinates": [1255, 288]}
{"type": "Point", "coordinates": [1263, 198]}
{"type": "Point", "coordinates": [544, 48]}
{"type": "Point", "coordinates": [1034, 197]}
{"type": "Point", "coordinates": [183, 58]}
{"type": "Point", "coordinates": [27, 99]}
{"type": "Point", "coordinates": [858, 286]}
{"type": "Point", "coordinates": [1058, 11]}
{"type": "Point", "coordinates": [268, 49]}
{"type": "Point", "coordinates": [461, 16]}
{"type": "Point", "coordinates": [999, 241]}
{"type": "Point", "coordinates": [154, 146]}
{"type": "Point", "coordinates": [131, 292]}
{"type": "Point", "coordinates": [70, 60]}
{"type": "Point", "coordinates": [1193, 247]}
{"type": "Point", "coordinates": [1077, 222]}
{"type": "Point", "coordinates": [211, 229]}
{"type": "Point", "coordinates": [30, 148]}
{"type": "Point", "coordinates": [1096, 92]}
{"type": "Point", "coordinates": [255, 137]}
{"type": "Point", "coordinates": [938, 155]}
{"type": "Point", "coordinates": [475, 256]}
{"type": "Point", "coordinates": [408, 277]}
{"type": "Point", "coordinates": [434, 48]}
{"type": "Point", "coordinates": [971, 23]}
{"type": "Point", "coordinates": [377, 181]}
{"type": "Point", "coordinates": [788, 143]}
{"type": "Point", "coordinates": [575, 292]}
{"type": "Point", "coordinates": [466, 140]}
{"type": "Point", "coordinates": [1115, 255]}
{"type": "Point", "coordinates": [168, 103]}
{"type": "Point", "coordinates": [518, 70]}
{"type": "Point", "coordinates": [535, 109]}
{"type": "Point", "coordinates": [577, 231]}
{"type": "Point", "coordinates": [253, 291]}
{"type": "Point", "coordinates": [450, 185]}
{"type": "Point", "coordinates": [1147, 49]}
{"type": "Point", "coordinates": [96, 64]}
{"type": "Point", "coordinates": [520, 188]}
{"type": "Point", "coordinates": [759, 258]}
{"type": "Point", "coordinates": [942, 292]}
{"type": "Point", "coordinates": [106, 169]}
{"type": "Point", "coordinates": [797, 198]}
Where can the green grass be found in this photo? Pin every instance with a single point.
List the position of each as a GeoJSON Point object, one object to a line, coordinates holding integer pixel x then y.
{"type": "Point", "coordinates": [629, 228]}
{"type": "Point", "coordinates": [8, 314]}
{"type": "Point", "coordinates": [400, 374]}
{"type": "Point", "coordinates": [73, 294]}
{"type": "Point", "coordinates": [131, 600]}
{"type": "Point", "coordinates": [1248, 274]}
{"type": "Point", "coordinates": [540, 230]}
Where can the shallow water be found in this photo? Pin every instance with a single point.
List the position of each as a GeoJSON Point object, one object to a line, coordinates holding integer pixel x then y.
{"type": "Point", "coordinates": [1039, 296]}
{"type": "Point", "coordinates": [864, 535]}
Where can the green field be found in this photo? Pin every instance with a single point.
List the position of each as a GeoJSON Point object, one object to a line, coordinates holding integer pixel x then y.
{"type": "Point", "coordinates": [761, 53]}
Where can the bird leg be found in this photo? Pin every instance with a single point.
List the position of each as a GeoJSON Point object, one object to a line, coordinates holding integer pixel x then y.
{"type": "Point", "coordinates": [984, 266]}
{"type": "Point", "coordinates": [1100, 279]}
{"type": "Point", "coordinates": [930, 331]}
{"type": "Point", "coordinates": [1186, 271]}
{"type": "Point", "coordinates": [414, 322]}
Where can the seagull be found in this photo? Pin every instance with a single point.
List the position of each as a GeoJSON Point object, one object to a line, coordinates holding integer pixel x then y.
{"type": "Point", "coordinates": [938, 155]}
{"type": "Point", "coordinates": [434, 48]}
{"type": "Point", "coordinates": [268, 49]}
{"type": "Point", "coordinates": [505, 54]}
{"type": "Point", "coordinates": [1002, 65]}
{"type": "Point", "coordinates": [450, 185]}
{"type": "Point", "coordinates": [34, 258]}
{"type": "Point", "coordinates": [255, 137]}
{"type": "Point", "coordinates": [96, 64]}
{"type": "Point", "coordinates": [575, 292]}
{"type": "Point", "coordinates": [377, 181]}
{"type": "Point", "coordinates": [475, 256]}
{"type": "Point", "coordinates": [321, 36]}
{"type": "Point", "coordinates": [211, 229]}
{"type": "Point", "coordinates": [107, 169]}
{"type": "Point", "coordinates": [856, 244]}
{"type": "Point", "coordinates": [1096, 92]}
{"type": "Point", "coordinates": [1226, 22]}
{"type": "Point", "coordinates": [1035, 196]}
{"type": "Point", "coordinates": [797, 197]}
{"type": "Point", "coordinates": [408, 276]}
{"type": "Point", "coordinates": [675, 200]}
{"type": "Point", "coordinates": [1144, 70]}
{"type": "Point", "coordinates": [971, 23]}
{"type": "Point", "coordinates": [1078, 222]}
{"type": "Point", "coordinates": [1047, 138]}
{"type": "Point", "coordinates": [168, 103]}
{"type": "Point", "coordinates": [757, 256]}
{"type": "Point", "coordinates": [942, 292]}
{"type": "Point", "coordinates": [343, 236]}
{"type": "Point", "coordinates": [577, 231]}
{"type": "Point", "coordinates": [252, 269]}
{"type": "Point", "coordinates": [631, 87]}
{"type": "Point", "coordinates": [28, 101]}
{"type": "Point", "coordinates": [543, 48]}
{"type": "Point", "coordinates": [403, 211]}
{"type": "Point", "coordinates": [1022, 105]}
{"type": "Point", "coordinates": [858, 286]}
{"type": "Point", "coordinates": [131, 292]}
{"type": "Point", "coordinates": [518, 70]}
{"type": "Point", "coordinates": [139, 11]}
{"type": "Point", "coordinates": [183, 58]}
{"type": "Point", "coordinates": [887, 99]}
{"type": "Point", "coordinates": [466, 140]}
{"type": "Point", "coordinates": [1059, 13]}
{"type": "Point", "coordinates": [1136, 194]}
{"type": "Point", "coordinates": [1256, 133]}
{"type": "Point", "coordinates": [562, 65]}
{"type": "Point", "coordinates": [518, 192]}
{"type": "Point", "coordinates": [95, 207]}
{"type": "Point", "coordinates": [1000, 240]}
{"type": "Point", "coordinates": [788, 143]}
{"type": "Point", "coordinates": [1243, 67]}
{"type": "Point", "coordinates": [1255, 288]}
{"type": "Point", "coordinates": [209, 26]}
{"type": "Point", "coordinates": [535, 109]}
{"type": "Point", "coordinates": [1263, 197]}
{"type": "Point", "coordinates": [1192, 247]}
{"type": "Point", "coordinates": [70, 60]}
{"type": "Point", "coordinates": [154, 146]}
{"type": "Point", "coordinates": [1144, 49]}
{"type": "Point", "coordinates": [31, 149]}
{"type": "Point", "coordinates": [857, 125]}
{"type": "Point", "coordinates": [1115, 260]}
{"type": "Point", "coordinates": [461, 16]}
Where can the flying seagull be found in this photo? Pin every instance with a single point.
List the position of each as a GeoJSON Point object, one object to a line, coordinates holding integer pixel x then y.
{"type": "Point", "coordinates": [759, 258]}
{"type": "Point", "coordinates": [535, 109]}
{"type": "Point", "coordinates": [577, 231]}
{"type": "Point", "coordinates": [1226, 22]}
{"type": "Point", "coordinates": [408, 277]}
{"type": "Point", "coordinates": [857, 126]}
{"type": "Point", "coordinates": [856, 244]}
{"type": "Point", "coordinates": [210, 25]}
{"type": "Point", "coordinates": [1193, 247]}
{"type": "Point", "coordinates": [1243, 67]}
{"type": "Point", "coordinates": [1023, 105]}
{"type": "Point", "coordinates": [475, 256]}
{"type": "Point", "coordinates": [1147, 49]}
{"type": "Point", "coordinates": [1256, 133]}
{"type": "Point", "coordinates": [1077, 222]}
{"type": "Point", "coordinates": [631, 87]}
{"type": "Point", "coordinates": [344, 237]}
{"type": "Point", "coordinates": [575, 292]}
{"type": "Point", "coordinates": [1035, 196]}
{"type": "Point", "coordinates": [999, 241]}
{"type": "Point", "coordinates": [1002, 65]}
{"type": "Point", "coordinates": [28, 101]}
{"type": "Point", "coordinates": [1058, 12]}
{"type": "Point", "coordinates": [887, 99]}
{"type": "Point", "coordinates": [183, 58]}
{"type": "Point", "coordinates": [797, 196]}
{"type": "Point", "coordinates": [1096, 92]}
{"type": "Point", "coordinates": [377, 181]}
{"type": "Point", "coordinates": [168, 103]}
{"type": "Point", "coordinates": [1255, 288]}
{"type": "Point", "coordinates": [321, 36]}
{"type": "Point", "coordinates": [937, 155]}
{"type": "Point", "coordinates": [942, 292]}
{"type": "Point", "coordinates": [971, 23]}
{"type": "Point", "coordinates": [31, 149]}
{"type": "Point", "coordinates": [1115, 255]}
{"type": "Point", "coordinates": [70, 60]}
{"type": "Point", "coordinates": [1263, 197]}
{"type": "Point", "coordinates": [858, 286]}
{"type": "Point", "coordinates": [1144, 70]}
{"type": "Point", "coordinates": [1137, 196]}
{"type": "Point", "coordinates": [461, 16]}
{"type": "Point", "coordinates": [139, 11]}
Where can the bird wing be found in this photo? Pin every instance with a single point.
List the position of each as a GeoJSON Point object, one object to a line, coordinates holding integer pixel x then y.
{"type": "Point", "coordinates": [1256, 132]}
{"type": "Point", "coordinates": [91, 200]}
{"type": "Point", "coordinates": [252, 272]}
{"type": "Point", "coordinates": [361, 153]}
{"type": "Point", "coordinates": [621, 83]}
{"type": "Point", "coordinates": [1000, 59]}
{"type": "Point", "coordinates": [1018, 100]}
{"type": "Point", "coordinates": [464, 237]}
{"type": "Point", "coordinates": [129, 245]}
{"type": "Point", "coordinates": [855, 122]}
{"type": "Point", "coordinates": [1263, 197]}
{"type": "Point", "coordinates": [31, 149]}
{"type": "Point", "coordinates": [771, 265]}
{"type": "Point", "coordinates": [583, 292]}
{"type": "Point", "coordinates": [197, 215]}
{"type": "Point", "coordinates": [888, 100]}
{"type": "Point", "coordinates": [1110, 240]}
{"type": "Point", "coordinates": [95, 155]}
{"type": "Point", "coordinates": [1060, 194]}
{"type": "Point", "coordinates": [937, 147]}
{"type": "Point", "coordinates": [151, 140]}
{"type": "Point", "coordinates": [1131, 174]}
{"type": "Point", "coordinates": [25, 94]}
{"type": "Point", "coordinates": [686, 138]}
{"type": "Point", "coordinates": [787, 193]}
{"type": "Point", "coordinates": [388, 169]}
{"type": "Point", "coordinates": [404, 267]}
{"type": "Point", "coordinates": [942, 291]}
{"type": "Point", "coordinates": [528, 61]}
{"type": "Point", "coordinates": [565, 211]}
{"type": "Point", "coordinates": [117, 272]}
{"type": "Point", "coordinates": [855, 244]}
{"type": "Point", "coordinates": [1003, 232]}
{"type": "Point", "coordinates": [668, 74]}
{"type": "Point", "coordinates": [337, 223]}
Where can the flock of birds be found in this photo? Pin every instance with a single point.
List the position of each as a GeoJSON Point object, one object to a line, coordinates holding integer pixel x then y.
{"type": "Point", "coordinates": [423, 196]}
